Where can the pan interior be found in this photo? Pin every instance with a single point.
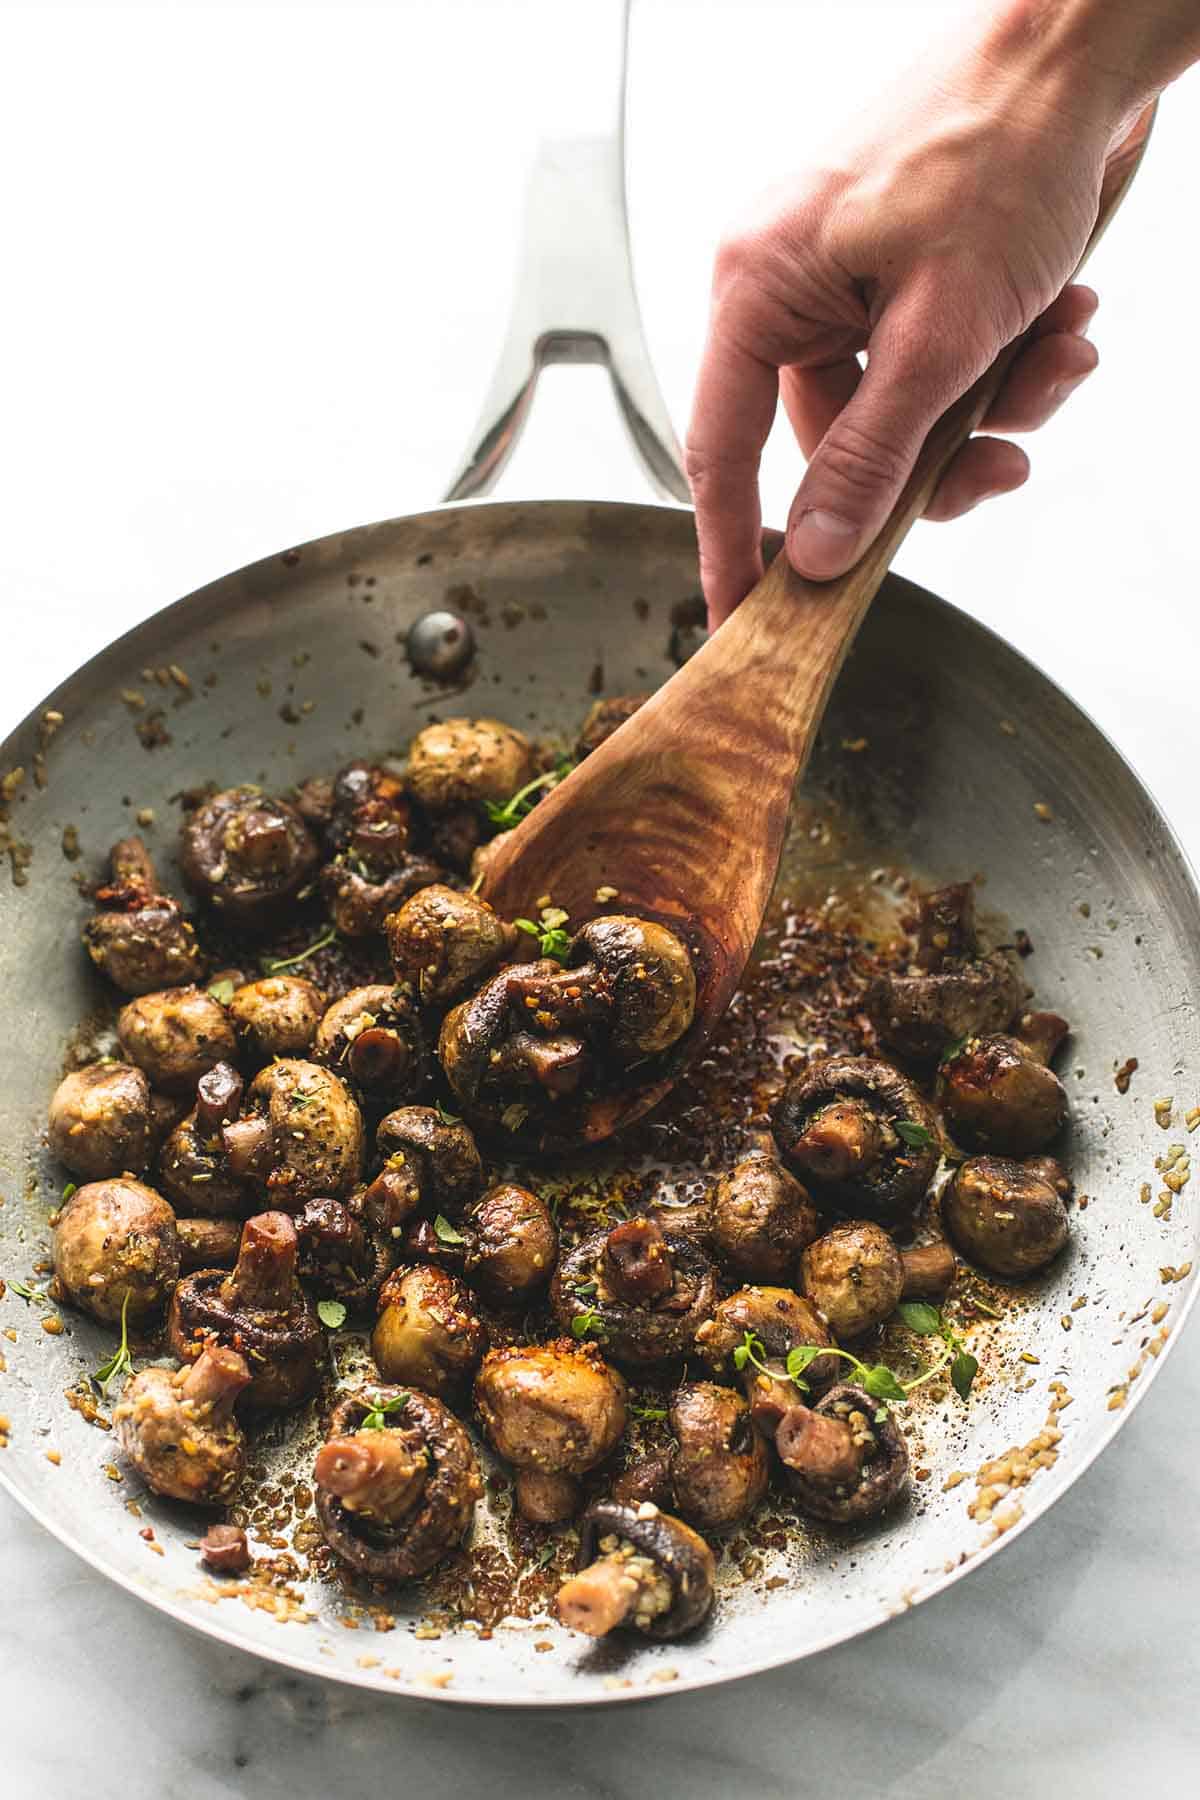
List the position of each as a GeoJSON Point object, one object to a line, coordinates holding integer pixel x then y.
{"type": "Point", "coordinates": [944, 753]}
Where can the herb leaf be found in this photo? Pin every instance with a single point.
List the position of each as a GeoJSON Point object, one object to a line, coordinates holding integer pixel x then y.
{"type": "Point", "coordinates": [445, 1232]}
{"type": "Point", "coordinates": [376, 1419]}
{"type": "Point", "coordinates": [513, 810]}
{"type": "Point", "coordinates": [24, 1292]}
{"type": "Point", "coordinates": [751, 1350]}
{"type": "Point", "coordinates": [448, 1118]}
{"type": "Point", "coordinates": [271, 965]}
{"type": "Point", "coordinates": [552, 939]}
{"type": "Point", "coordinates": [920, 1317]}
{"type": "Point", "coordinates": [222, 991]}
{"type": "Point", "coordinates": [798, 1359]}
{"type": "Point", "coordinates": [881, 1384]}
{"type": "Point", "coordinates": [332, 1314]}
{"type": "Point", "coordinates": [587, 1324]}
{"type": "Point", "coordinates": [120, 1362]}
{"type": "Point", "coordinates": [953, 1050]}
{"type": "Point", "coordinates": [917, 1137]}
{"type": "Point", "coordinates": [963, 1371]}
{"type": "Point", "coordinates": [649, 1412]}
{"type": "Point", "coordinates": [72, 1187]}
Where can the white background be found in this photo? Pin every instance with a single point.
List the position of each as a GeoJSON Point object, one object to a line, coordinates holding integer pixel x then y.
{"type": "Point", "coordinates": [255, 270]}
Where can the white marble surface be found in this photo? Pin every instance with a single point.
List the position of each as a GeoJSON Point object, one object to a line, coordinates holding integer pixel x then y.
{"type": "Point", "coordinates": [256, 271]}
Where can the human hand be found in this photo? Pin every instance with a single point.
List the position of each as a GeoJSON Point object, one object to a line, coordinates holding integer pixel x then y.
{"type": "Point", "coordinates": [950, 231]}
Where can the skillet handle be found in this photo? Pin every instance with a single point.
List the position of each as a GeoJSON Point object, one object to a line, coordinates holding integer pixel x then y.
{"type": "Point", "coordinates": [575, 300]}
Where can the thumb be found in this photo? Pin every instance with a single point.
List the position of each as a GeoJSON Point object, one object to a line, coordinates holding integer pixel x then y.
{"type": "Point", "coordinates": [858, 470]}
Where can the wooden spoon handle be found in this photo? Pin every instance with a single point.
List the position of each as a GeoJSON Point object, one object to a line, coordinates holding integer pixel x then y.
{"type": "Point", "coordinates": [811, 625]}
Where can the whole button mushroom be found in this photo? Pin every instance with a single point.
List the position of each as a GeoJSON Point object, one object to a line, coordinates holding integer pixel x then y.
{"type": "Point", "coordinates": [397, 1483]}
{"type": "Point", "coordinates": [1009, 1217]}
{"type": "Point", "coordinates": [100, 1121]}
{"type": "Point", "coordinates": [277, 1016]}
{"type": "Point", "coordinates": [338, 1254]}
{"type": "Point", "coordinates": [761, 1219]}
{"type": "Point", "coordinates": [248, 855]}
{"type": "Point", "coordinates": [178, 1429]}
{"type": "Point", "coordinates": [311, 1126]}
{"type": "Point", "coordinates": [605, 717]}
{"type": "Point", "coordinates": [860, 1134]}
{"type": "Point", "coordinates": [138, 937]}
{"type": "Point", "coordinates": [259, 1309]}
{"type": "Point", "coordinates": [208, 1243]}
{"type": "Point", "coordinates": [374, 1038]}
{"type": "Point", "coordinates": [116, 1249]}
{"type": "Point", "coordinates": [770, 1321]}
{"type": "Point", "coordinates": [639, 1568]}
{"type": "Point", "coordinates": [952, 992]}
{"type": "Point", "coordinates": [999, 1093]}
{"type": "Point", "coordinates": [193, 1165]}
{"type": "Point", "coordinates": [643, 1293]}
{"type": "Point", "coordinates": [359, 902]}
{"type": "Point", "coordinates": [719, 1468]}
{"type": "Point", "coordinates": [430, 1163]}
{"type": "Point", "coordinates": [467, 762]}
{"type": "Point", "coordinates": [845, 1459]}
{"type": "Point", "coordinates": [553, 1411]}
{"type": "Point", "coordinates": [445, 942]}
{"type": "Point", "coordinates": [176, 1036]}
{"type": "Point", "coordinates": [856, 1277]}
{"type": "Point", "coordinates": [512, 1245]}
{"type": "Point", "coordinates": [428, 1332]}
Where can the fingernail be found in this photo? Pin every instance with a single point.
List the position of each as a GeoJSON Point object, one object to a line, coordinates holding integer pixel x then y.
{"type": "Point", "coordinates": [819, 541]}
{"type": "Point", "coordinates": [1065, 388]}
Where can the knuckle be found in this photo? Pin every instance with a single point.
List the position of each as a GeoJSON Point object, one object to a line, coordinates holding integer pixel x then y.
{"type": "Point", "coordinates": [860, 461]}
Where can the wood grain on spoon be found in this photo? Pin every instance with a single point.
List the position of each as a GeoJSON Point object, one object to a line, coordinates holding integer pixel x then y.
{"type": "Point", "coordinates": [683, 810]}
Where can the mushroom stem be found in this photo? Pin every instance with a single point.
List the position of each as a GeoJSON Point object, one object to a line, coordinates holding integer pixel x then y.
{"type": "Point", "coordinates": [947, 927]}
{"type": "Point", "coordinates": [840, 1142]}
{"type": "Point", "coordinates": [544, 1498]}
{"type": "Point", "coordinates": [265, 1272]}
{"type": "Point", "coordinates": [928, 1271]}
{"type": "Point", "coordinates": [608, 1591]}
{"type": "Point", "coordinates": [218, 1098]}
{"type": "Point", "coordinates": [377, 1056]}
{"type": "Point", "coordinates": [247, 1145]}
{"type": "Point", "coordinates": [770, 1396]}
{"type": "Point", "coordinates": [637, 1262]}
{"type": "Point", "coordinates": [262, 842]}
{"type": "Point", "coordinates": [1041, 1033]}
{"type": "Point", "coordinates": [818, 1446]}
{"type": "Point", "coordinates": [208, 1243]}
{"type": "Point", "coordinates": [558, 1063]}
{"type": "Point", "coordinates": [215, 1380]}
{"type": "Point", "coordinates": [380, 1474]}
{"type": "Point", "coordinates": [392, 1196]}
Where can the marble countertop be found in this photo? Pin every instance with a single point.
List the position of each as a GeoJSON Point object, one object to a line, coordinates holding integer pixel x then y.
{"type": "Point", "coordinates": [294, 227]}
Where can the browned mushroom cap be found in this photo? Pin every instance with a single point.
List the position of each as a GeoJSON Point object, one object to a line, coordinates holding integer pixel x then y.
{"type": "Point", "coordinates": [208, 1243]}
{"type": "Point", "coordinates": [854, 1277]}
{"type": "Point", "coordinates": [370, 818]}
{"type": "Point", "coordinates": [359, 903]}
{"type": "Point", "coordinates": [997, 1095]}
{"type": "Point", "coordinates": [196, 1174]}
{"type": "Point", "coordinates": [178, 1429]}
{"type": "Point", "coordinates": [1009, 1217]}
{"type": "Point", "coordinates": [946, 927]}
{"type": "Point", "coordinates": [605, 717]}
{"type": "Point", "coordinates": [953, 993]}
{"type": "Point", "coordinates": [556, 1407]}
{"type": "Point", "coordinates": [277, 1016]}
{"type": "Point", "coordinates": [694, 1218]}
{"type": "Point", "coordinates": [248, 855]}
{"type": "Point", "coordinates": [429, 1161]}
{"type": "Point", "coordinates": [337, 1254]}
{"type": "Point", "coordinates": [100, 1121]}
{"type": "Point", "coordinates": [513, 1245]}
{"type": "Point", "coordinates": [545, 1499]}
{"type": "Point", "coordinates": [454, 837]}
{"type": "Point", "coordinates": [651, 977]}
{"type": "Point", "coordinates": [761, 1219]}
{"type": "Point", "coordinates": [259, 1309]}
{"type": "Point", "coordinates": [373, 1036]}
{"type": "Point", "coordinates": [467, 762]}
{"type": "Point", "coordinates": [641, 1568]}
{"type": "Point", "coordinates": [175, 1036]}
{"type": "Point", "coordinates": [860, 1134]}
{"type": "Point", "coordinates": [720, 1467]}
{"type": "Point", "coordinates": [444, 1505]}
{"type": "Point", "coordinates": [428, 1332]}
{"type": "Point", "coordinates": [113, 1240]}
{"type": "Point", "coordinates": [445, 942]}
{"type": "Point", "coordinates": [825, 1486]}
{"type": "Point", "coordinates": [316, 1131]}
{"type": "Point", "coordinates": [638, 1334]}
{"type": "Point", "coordinates": [780, 1320]}
{"type": "Point", "coordinates": [139, 937]}
{"type": "Point", "coordinates": [649, 1478]}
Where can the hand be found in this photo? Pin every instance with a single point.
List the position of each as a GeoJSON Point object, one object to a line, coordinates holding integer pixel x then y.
{"type": "Point", "coordinates": [930, 246]}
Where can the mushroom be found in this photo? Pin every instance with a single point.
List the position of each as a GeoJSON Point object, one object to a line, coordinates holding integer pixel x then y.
{"type": "Point", "coordinates": [649, 1478]}
{"type": "Point", "coordinates": [856, 1277]}
{"type": "Point", "coordinates": [208, 1243]}
{"type": "Point", "coordinates": [512, 1247]}
{"type": "Point", "coordinates": [998, 1093]}
{"type": "Point", "coordinates": [370, 819]}
{"type": "Point", "coordinates": [374, 1038]}
{"type": "Point", "coordinates": [761, 1219]}
{"type": "Point", "coordinates": [197, 1174]}
{"type": "Point", "coordinates": [719, 1469]}
{"type": "Point", "coordinates": [139, 937]}
{"type": "Point", "coordinates": [359, 903]}
{"type": "Point", "coordinates": [258, 1308]}
{"type": "Point", "coordinates": [637, 1567]}
{"type": "Point", "coordinates": [225, 1550]}
{"type": "Point", "coordinates": [952, 993]}
{"type": "Point", "coordinates": [605, 717]}
{"type": "Point", "coordinates": [337, 1254]}
{"type": "Point", "coordinates": [845, 1459]}
{"type": "Point", "coordinates": [178, 1429]}
{"type": "Point", "coordinates": [116, 1249]}
{"type": "Point", "coordinates": [552, 1409]}
{"type": "Point", "coordinates": [467, 762]}
{"type": "Point", "coordinates": [1009, 1217]}
{"type": "Point", "coordinates": [778, 1320]}
{"type": "Point", "coordinates": [428, 1333]}
{"type": "Point", "coordinates": [454, 837]}
{"type": "Point", "coordinates": [248, 855]}
{"type": "Point", "coordinates": [277, 1016]}
{"type": "Point", "coordinates": [649, 973]}
{"type": "Point", "coordinates": [445, 942]}
{"type": "Point", "coordinates": [313, 1127]}
{"type": "Point", "coordinates": [860, 1133]}
{"type": "Point", "coordinates": [429, 1162]}
{"type": "Point", "coordinates": [694, 1218]}
{"type": "Point", "coordinates": [643, 1293]}
{"type": "Point", "coordinates": [175, 1036]}
{"type": "Point", "coordinates": [394, 1499]}
{"type": "Point", "coordinates": [100, 1121]}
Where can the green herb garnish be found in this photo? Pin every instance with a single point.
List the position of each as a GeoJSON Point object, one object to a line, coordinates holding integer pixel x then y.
{"type": "Point", "coordinates": [545, 1555]}
{"type": "Point", "coordinates": [222, 991]}
{"type": "Point", "coordinates": [917, 1137]}
{"type": "Point", "coordinates": [587, 1324]}
{"type": "Point", "coordinates": [514, 1116]}
{"type": "Point", "coordinates": [448, 1118]}
{"type": "Point", "coordinates": [72, 1187]}
{"type": "Point", "coordinates": [445, 1232]}
{"type": "Point", "coordinates": [751, 1350]}
{"type": "Point", "coordinates": [120, 1362]}
{"type": "Point", "coordinates": [927, 1321]}
{"type": "Point", "coordinates": [271, 965]}
{"type": "Point", "coordinates": [552, 939]}
{"type": "Point", "coordinates": [376, 1418]}
{"type": "Point", "coordinates": [332, 1314]}
{"type": "Point", "coordinates": [954, 1049]}
{"type": "Point", "coordinates": [24, 1292]}
{"type": "Point", "coordinates": [649, 1413]}
{"type": "Point", "coordinates": [505, 816]}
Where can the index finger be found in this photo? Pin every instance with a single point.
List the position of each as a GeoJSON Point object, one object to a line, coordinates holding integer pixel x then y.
{"type": "Point", "coordinates": [736, 394]}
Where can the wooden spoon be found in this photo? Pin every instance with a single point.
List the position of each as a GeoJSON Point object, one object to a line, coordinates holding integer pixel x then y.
{"type": "Point", "coordinates": [683, 810]}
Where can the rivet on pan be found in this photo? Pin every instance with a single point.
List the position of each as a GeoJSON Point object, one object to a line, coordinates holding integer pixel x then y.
{"type": "Point", "coordinates": [440, 644]}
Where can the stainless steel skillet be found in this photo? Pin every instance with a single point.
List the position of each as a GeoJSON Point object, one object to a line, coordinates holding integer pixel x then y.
{"type": "Point", "coordinates": [974, 761]}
